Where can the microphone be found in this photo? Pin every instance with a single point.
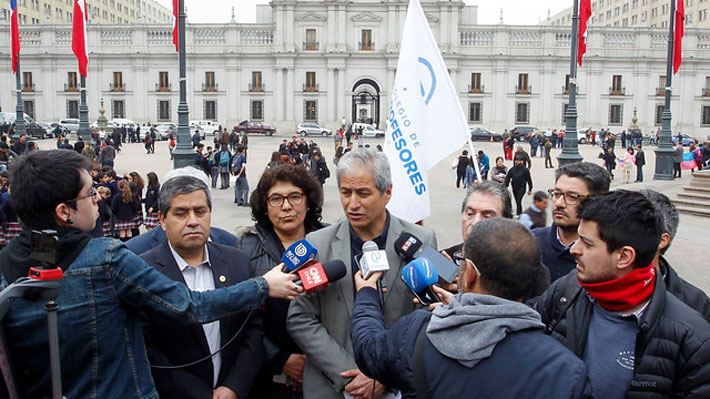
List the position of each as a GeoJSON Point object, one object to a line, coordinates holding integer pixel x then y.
{"type": "Point", "coordinates": [410, 247]}
{"type": "Point", "coordinates": [297, 255]}
{"type": "Point", "coordinates": [373, 259]}
{"type": "Point", "coordinates": [316, 276]}
{"type": "Point", "coordinates": [420, 275]}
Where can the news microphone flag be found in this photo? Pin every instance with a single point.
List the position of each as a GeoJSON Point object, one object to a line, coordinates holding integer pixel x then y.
{"type": "Point", "coordinates": [78, 38]}
{"type": "Point", "coordinates": [425, 123]}
{"type": "Point", "coordinates": [15, 35]}
{"type": "Point", "coordinates": [678, 34]}
{"type": "Point", "coordinates": [176, 36]}
{"type": "Point", "coordinates": [585, 11]}
{"type": "Point", "coordinates": [297, 255]}
{"type": "Point", "coordinates": [420, 275]}
{"type": "Point", "coordinates": [316, 276]}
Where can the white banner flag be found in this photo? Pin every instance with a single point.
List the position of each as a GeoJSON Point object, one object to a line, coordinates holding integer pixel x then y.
{"type": "Point", "coordinates": [425, 123]}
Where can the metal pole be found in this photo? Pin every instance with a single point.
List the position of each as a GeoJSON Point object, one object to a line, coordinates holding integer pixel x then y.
{"type": "Point", "coordinates": [84, 130]}
{"type": "Point", "coordinates": [570, 148]}
{"type": "Point", "coordinates": [54, 359]}
{"type": "Point", "coordinates": [20, 115]}
{"type": "Point", "coordinates": [183, 155]}
{"type": "Point", "coordinates": [664, 152]}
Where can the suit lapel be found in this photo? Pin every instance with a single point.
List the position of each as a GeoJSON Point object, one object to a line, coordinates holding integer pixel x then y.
{"type": "Point", "coordinates": [341, 250]}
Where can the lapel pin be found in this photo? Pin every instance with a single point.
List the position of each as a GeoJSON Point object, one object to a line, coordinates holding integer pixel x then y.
{"type": "Point", "coordinates": [222, 279]}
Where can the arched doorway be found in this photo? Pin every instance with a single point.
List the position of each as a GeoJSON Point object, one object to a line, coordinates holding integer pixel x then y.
{"type": "Point", "coordinates": [366, 102]}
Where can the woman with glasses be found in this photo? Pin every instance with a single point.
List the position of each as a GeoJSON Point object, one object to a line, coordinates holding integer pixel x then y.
{"type": "Point", "coordinates": [286, 205]}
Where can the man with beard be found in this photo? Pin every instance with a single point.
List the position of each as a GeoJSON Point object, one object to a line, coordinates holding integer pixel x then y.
{"type": "Point", "coordinates": [573, 183]}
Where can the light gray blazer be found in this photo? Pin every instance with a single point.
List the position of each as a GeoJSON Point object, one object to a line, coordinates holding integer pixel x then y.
{"type": "Point", "coordinates": [320, 323]}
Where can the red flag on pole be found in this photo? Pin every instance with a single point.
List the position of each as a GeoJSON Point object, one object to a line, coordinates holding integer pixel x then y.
{"type": "Point", "coordinates": [585, 11]}
{"type": "Point", "coordinates": [15, 34]}
{"type": "Point", "coordinates": [176, 42]}
{"type": "Point", "coordinates": [78, 38]}
{"type": "Point", "coordinates": [678, 34]}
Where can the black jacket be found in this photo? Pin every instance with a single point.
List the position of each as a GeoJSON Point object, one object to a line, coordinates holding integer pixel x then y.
{"type": "Point", "coordinates": [683, 290]}
{"type": "Point", "coordinates": [526, 364]}
{"type": "Point", "coordinates": [672, 357]}
{"type": "Point", "coordinates": [640, 158]}
{"type": "Point", "coordinates": [169, 342]}
{"type": "Point", "coordinates": [125, 210]}
{"type": "Point", "coordinates": [151, 199]}
{"type": "Point", "coordinates": [519, 177]}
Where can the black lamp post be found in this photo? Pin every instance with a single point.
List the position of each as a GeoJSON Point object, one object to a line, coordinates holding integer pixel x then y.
{"type": "Point", "coordinates": [183, 155]}
{"type": "Point", "coordinates": [664, 152]}
{"type": "Point", "coordinates": [570, 146]}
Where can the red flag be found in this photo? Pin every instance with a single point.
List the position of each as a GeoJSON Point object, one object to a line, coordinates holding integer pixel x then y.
{"type": "Point", "coordinates": [678, 34]}
{"type": "Point", "coordinates": [15, 35]}
{"type": "Point", "coordinates": [585, 11]}
{"type": "Point", "coordinates": [176, 33]}
{"type": "Point", "coordinates": [78, 38]}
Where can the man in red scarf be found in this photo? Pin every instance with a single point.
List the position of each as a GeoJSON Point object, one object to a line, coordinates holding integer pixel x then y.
{"type": "Point", "coordinates": [614, 313]}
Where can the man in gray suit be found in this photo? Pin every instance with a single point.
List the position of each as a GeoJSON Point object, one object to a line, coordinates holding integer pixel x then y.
{"type": "Point", "coordinates": [320, 323]}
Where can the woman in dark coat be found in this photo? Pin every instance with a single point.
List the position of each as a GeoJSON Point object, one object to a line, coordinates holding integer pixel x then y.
{"type": "Point", "coordinates": [125, 206]}
{"type": "Point", "coordinates": [152, 194]}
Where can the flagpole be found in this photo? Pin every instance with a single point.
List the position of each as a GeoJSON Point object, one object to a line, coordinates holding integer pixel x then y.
{"type": "Point", "coordinates": [20, 110]}
{"type": "Point", "coordinates": [570, 146]}
{"type": "Point", "coordinates": [183, 155]}
{"type": "Point", "coordinates": [664, 152]}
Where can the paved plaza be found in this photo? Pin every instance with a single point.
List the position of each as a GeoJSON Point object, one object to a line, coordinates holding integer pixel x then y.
{"type": "Point", "coordinates": [685, 253]}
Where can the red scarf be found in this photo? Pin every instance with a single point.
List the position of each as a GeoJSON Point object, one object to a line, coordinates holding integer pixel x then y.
{"type": "Point", "coordinates": [626, 292]}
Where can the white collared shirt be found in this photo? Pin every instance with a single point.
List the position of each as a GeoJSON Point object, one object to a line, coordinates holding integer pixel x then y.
{"type": "Point", "coordinates": [200, 278]}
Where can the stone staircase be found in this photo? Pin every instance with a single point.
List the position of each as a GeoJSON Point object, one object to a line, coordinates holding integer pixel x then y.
{"type": "Point", "coordinates": [695, 198]}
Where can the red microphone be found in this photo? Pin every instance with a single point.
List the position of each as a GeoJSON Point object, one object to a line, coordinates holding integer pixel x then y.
{"type": "Point", "coordinates": [316, 277]}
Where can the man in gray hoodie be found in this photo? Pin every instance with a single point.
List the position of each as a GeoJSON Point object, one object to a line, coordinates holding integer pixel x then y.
{"type": "Point", "coordinates": [484, 342]}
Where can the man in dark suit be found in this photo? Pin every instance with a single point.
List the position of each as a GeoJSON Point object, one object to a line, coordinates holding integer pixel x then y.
{"type": "Point", "coordinates": [188, 257]}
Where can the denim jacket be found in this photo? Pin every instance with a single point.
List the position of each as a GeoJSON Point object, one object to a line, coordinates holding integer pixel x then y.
{"type": "Point", "coordinates": [100, 337]}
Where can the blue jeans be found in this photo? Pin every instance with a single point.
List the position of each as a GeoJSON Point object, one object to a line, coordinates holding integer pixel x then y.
{"type": "Point", "coordinates": [241, 190]}
{"type": "Point", "coordinates": [639, 173]}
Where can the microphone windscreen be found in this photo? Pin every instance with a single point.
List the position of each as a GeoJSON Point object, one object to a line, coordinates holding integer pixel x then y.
{"type": "Point", "coordinates": [419, 274]}
{"type": "Point", "coordinates": [298, 253]}
{"type": "Point", "coordinates": [407, 245]}
{"type": "Point", "coordinates": [334, 270]}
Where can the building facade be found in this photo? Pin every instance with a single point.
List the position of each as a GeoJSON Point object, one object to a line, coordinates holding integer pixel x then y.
{"type": "Point", "coordinates": [639, 13]}
{"type": "Point", "coordinates": [322, 61]}
{"type": "Point", "coordinates": [115, 12]}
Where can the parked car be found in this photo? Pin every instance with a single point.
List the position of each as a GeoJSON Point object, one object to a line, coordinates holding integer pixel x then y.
{"type": "Point", "coordinates": [197, 128]}
{"type": "Point", "coordinates": [62, 128]}
{"type": "Point", "coordinates": [210, 127]}
{"type": "Point", "coordinates": [685, 139]}
{"type": "Point", "coordinates": [304, 129]}
{"type": "Point", "coordinates": [71, 124]}
{"type": "Point", "coordinates": [481, 134]}
{"type": "Point", "coordinates": [368, 130]}
{"type": "Point", "coordinates": [164, 130]}
{"type": "Point", "coordinates": [254, 127]}
{"type": "Point", "coordinates": [34, 130]}
{"type": "Point", "coordinates": [521, 133]}
{"type": "Point", "coordinates": [110, 125]}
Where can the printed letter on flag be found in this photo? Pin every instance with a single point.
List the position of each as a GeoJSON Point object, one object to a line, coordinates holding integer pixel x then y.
{"type": "Point", "coordinates": [585, 11]}
{"type": "Point", "coordinates": [678, 34]}
{"type": "Point", "coordinates": [15, 34]}
{"type": "Point", "coordinates": [425, 123]}
{"type": "Point", "coordinates": [78, 39]}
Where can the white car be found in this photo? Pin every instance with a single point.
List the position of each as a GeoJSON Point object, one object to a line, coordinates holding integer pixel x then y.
{"type": "Point", "coordinates": [210, 127]}
{"type": "Point", "coordinates": [304, 129]}
{"type": "Point", "coordinates": [164, 130]}
{"type": "Point", "coordinates": [71, 123]}
{"type": "Point", "coordinates": [368, 130]}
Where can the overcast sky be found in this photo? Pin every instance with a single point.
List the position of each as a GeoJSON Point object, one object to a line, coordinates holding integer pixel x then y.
{"type": "Point", "coordinates": [515, 12]}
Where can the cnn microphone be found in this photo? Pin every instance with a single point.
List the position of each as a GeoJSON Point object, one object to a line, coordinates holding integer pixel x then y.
{"type": "Point", "coordinates": [420, 275]}
{"type": "Point", "coordinates": [316, 276]}
{"type": "Point", "coordinates": [410, 247]}
{"type": "Point", "coordinates": [297, 255]}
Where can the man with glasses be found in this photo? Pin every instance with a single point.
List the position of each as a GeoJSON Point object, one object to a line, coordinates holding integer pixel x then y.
{"type": "Point", "coordinates": [573, 183]}
{"type": "Point", "coordinates": [459, 349]}
{"type": "Point", "coordinates": [320, 323]}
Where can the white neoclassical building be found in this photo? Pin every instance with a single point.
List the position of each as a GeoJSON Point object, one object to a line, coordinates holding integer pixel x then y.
{"type": "Point", "coordinates": [325, 60]}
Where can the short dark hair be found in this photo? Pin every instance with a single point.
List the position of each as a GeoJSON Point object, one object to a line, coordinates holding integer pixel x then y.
{"type": "Point", "coordinates": [299, 177]}
{"type": "Point", "coordinates": [181, 184]}
{"type": "Point", "coordinates": [508, 256]}
{"type": "Point", "coordinates": [539, 196]}
{"type": "Point", "coordinates": [625, 218]}
{"type": "Point", "coordinates": [595, 177]}
{"type": "Point", "coordinates": [667, 213]}
{"type": "Point", "coordinates": [42, 180]}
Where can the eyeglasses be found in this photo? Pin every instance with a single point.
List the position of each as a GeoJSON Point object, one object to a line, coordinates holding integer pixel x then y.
{"type": "Point", "coordinates": [92, 193]}
{"type": "Point", "coordinates": [474, 266]}
{"type": "Point", "coordinates": [571, 198]}
{"type": "Point", "coordinates": [293, 199]}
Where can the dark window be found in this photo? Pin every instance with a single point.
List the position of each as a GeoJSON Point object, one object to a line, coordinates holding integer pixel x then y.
{"type": "Point", "coordinates": [366, 36]}
{"type": "Point", "coordinates": [210, 111]}
{"type": "Point", "coordinates": [311, 82]}
{"type": "Point", "coordinates": [475, 112]}
{"type": "Point", "coordinates": [163, 81]}
{"type": "Point", "coordinates": [567, 84]}
{"type": "Point", "coordinates": [72, 84]}
{"type": "Point", "coordinates": [30, 108]}
{"type": "Point", "coordinates": [564, 113]}
{"type": "Point", "coordinates": [522, 113]}
{"type": "Point", "coordinates": [27, 84]}
{"type": "Point", "coordinates": [475, 82]}
{"type": "Point", "coordinates": [523, 84]}
{"type": "Point", "coordinates": [118, 109]}
{"type": "Point", "coordinates": [256, 82]}
{"type": "Point", "coordinates": [117, 81]}
{"type": "Point", "coordinates": [257, 110]}
{"type": "Point", "coordinates": [310, 110]}
{"type": "Point", "coordinates": [210, 84]}
{"type": "Point", "coordinates": [616, 85]}
{"type": "Point", "coordinates": [616, 114]}
{"type": "Point", "coordinates": [706, 116]}
{"type": "Point", "coordinates": [164, 110]}
{"type": "Point", "coordinates": [706, 89]}
{"type": "Point", "coordinates": [659, 115]}
{"type": "Point", "coordinates": [73, 109]}
{"type": "Point", "coordinates": [311, 43]}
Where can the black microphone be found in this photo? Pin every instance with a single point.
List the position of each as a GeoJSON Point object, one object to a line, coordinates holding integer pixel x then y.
{"type": "Point", "coordinates": [409, 247]}
{"type": "Point", "coordinates": [316, 277]}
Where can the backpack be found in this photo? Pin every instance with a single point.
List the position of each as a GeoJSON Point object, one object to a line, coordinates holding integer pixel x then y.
{"type": "Point", "coordinates": [224, 158]}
